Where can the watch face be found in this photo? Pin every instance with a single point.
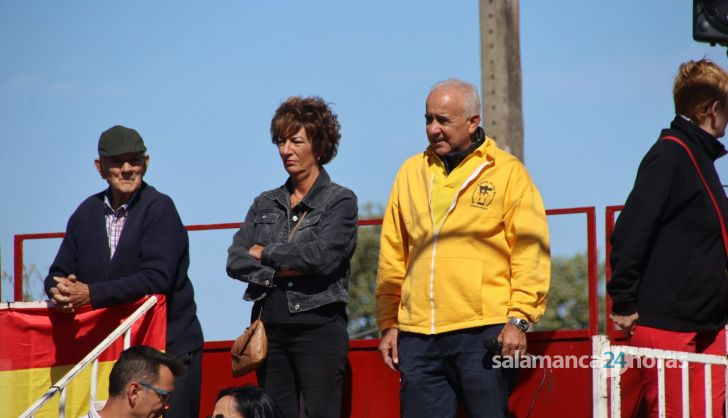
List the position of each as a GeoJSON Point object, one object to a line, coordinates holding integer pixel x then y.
{"type": "Point", "coordinates": [521, 324]}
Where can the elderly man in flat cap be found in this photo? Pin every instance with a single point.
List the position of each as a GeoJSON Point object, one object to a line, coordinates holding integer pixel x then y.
{"type": "Point", "coordinates": [126, 242]}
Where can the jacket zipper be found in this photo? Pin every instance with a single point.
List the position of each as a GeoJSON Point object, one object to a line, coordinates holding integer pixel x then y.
{"type": "Point", "coordinates": [436, 232]}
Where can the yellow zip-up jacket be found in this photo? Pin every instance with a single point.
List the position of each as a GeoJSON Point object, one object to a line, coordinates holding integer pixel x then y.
{"type": "Point", "coordinates": [488, 258]}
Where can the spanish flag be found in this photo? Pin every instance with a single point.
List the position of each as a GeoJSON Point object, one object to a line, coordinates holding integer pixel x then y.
{"type": "Point", "coordinates": [39, 345]}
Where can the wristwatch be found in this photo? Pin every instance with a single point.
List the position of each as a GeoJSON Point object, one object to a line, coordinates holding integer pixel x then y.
{"type": "Point", "coordinates": [519, 323]}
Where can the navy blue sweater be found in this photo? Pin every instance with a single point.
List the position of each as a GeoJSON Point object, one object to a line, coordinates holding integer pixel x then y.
{"type": "Point", "coordinates": [152, 256]}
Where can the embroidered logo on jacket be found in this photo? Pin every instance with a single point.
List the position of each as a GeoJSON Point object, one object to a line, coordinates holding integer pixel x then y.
{"type": "Point", "coordinates": [483, 195]}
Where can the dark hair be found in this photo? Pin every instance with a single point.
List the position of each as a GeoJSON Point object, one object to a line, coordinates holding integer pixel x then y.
{"type": "Point", "coordinates": [140, 363]}
{"type": "Point", "coordinates": [252, 402]}
{"type": "Point", "coordinates": [315, 116]}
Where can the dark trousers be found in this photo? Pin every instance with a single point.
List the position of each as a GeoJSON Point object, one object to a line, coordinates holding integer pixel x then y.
{"type": "Point", "coordinates": [306, 360]}
{"type": "Point", "coordinates": [438, 370]}
{"type": "Point", "coordinates": [185, 400]}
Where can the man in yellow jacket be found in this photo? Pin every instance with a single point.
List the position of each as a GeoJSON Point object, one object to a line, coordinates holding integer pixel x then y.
{"type": "Point", "coordinates": [464, 256]}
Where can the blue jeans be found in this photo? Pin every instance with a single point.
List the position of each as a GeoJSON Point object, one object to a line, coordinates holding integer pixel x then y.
{"type": "Point", "coordinates": [438, 370]}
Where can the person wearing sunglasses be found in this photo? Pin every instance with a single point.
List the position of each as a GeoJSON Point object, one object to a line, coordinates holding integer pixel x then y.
{"type": "Point", "coordinates": [245, 402]}
{"type": "Point", "coordinates": [140, 384]}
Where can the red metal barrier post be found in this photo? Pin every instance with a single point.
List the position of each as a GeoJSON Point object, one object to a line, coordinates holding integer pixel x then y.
{"type": "Point", "coordinates": [591, 239]}
{"type": "Point", "coordinates": [609, 218]}
{"type": "Point", "coordinates": [18, 259]}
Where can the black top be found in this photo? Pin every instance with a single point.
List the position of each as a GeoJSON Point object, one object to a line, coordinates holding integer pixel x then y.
{"type": "Point", "coordinates": [668, 260]}
{"type": "Point", "coordinates": [152, 256]}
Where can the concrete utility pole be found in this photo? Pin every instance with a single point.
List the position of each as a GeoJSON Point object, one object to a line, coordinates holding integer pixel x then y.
{"type": "Point", "coordinates": [500, 62]}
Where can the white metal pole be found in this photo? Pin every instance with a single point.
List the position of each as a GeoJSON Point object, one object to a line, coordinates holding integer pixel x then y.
{"type": "Point", "coordinates": [661, 386]}
{"type": "Point", "coordinates": [127, 339]}
{"type": "Point", "coordinates": [94, 382]}
{"type": "Point", "coordinates": [62, 403]}
{"type": "Point", "coordinates": [708, 391]}
{"type": "Point", "coordinates": [685, 389]}
{"type": "Point", "coordinates": [600, 395]}
{"type": "Point", "coordinates": [615, 396]}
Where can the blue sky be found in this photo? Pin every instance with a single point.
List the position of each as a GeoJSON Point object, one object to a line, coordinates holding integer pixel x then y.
{"type": "Point", "coordinates": [200, 81]}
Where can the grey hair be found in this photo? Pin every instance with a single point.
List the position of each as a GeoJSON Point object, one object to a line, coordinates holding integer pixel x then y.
{"type": "Point", "coordinates": [470, 93]}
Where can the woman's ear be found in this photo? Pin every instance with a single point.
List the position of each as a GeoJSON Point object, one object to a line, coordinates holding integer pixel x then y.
{"type": "Point", "coordinates": [715, 109]}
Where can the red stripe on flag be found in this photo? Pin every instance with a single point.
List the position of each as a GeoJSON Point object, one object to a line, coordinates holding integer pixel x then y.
{"type": "Point", "coordinates": [43, 337]}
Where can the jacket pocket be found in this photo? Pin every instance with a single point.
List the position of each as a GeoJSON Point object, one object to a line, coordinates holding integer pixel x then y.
{"type": "Point", "coordinates": [458, 287]}
{"type": "Point", "coordinates": [306, 231]}
{"type": "Point", "coordinates": [415, 297]}
{"type": "Point", "coordinates": [694, 293]}
{"type": "Point", "coordinates": [310, 221]}
{"type": "Point", "coordinates": [265, 226]}
{"type": "Point", "coordinates": [266, 218]}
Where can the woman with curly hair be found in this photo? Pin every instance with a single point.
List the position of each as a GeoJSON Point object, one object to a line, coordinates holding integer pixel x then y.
{"type": "Point", "coordinates": [293, 250]}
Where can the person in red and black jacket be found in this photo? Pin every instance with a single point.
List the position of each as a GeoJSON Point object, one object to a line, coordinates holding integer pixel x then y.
{"type": "Point", "coordinates": [668, 287]}
{"type": "Point", "coordinates": [126, 242]}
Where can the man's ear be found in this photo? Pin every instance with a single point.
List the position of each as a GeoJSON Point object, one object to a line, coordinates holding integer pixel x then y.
{"type": "Point", "coordinates": [146, 164]}
{"type": "Point", "coordinates": [132, 393]}
{"type": "Point", "coordinates": [97, 163]}
{"type": "Point", "coordinates": [473, 123]}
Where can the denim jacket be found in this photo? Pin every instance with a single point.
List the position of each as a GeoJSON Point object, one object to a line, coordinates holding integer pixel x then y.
{"type": "Point", "coordinates": [320, 249]}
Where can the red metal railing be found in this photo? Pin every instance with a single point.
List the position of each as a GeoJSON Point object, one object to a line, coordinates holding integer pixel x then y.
{"type": "Point", "coordinates": [19, 239]}
{"type": "Point", "coordinates": [538, 391]}
{"type": "Point", "coordinates": [18, 259]}
{"type": "Point", "coordinates": [592, 280]}
{"type": "Point", "coordinates": [609, 217]}
{"type": "Point", "coordinates": [591, 254]}
{"type": "Point", "coordinates": [592, 283]}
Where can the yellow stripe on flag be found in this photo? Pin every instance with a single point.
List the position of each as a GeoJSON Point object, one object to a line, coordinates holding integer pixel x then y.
{"type": "Point", "coordinates": [21, 388]}
{"type": "Point", "coordinates": [40, 345]}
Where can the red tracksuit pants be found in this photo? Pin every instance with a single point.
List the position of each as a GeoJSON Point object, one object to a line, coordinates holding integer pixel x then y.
{"type": "Point", "coordinates": [706, 342]}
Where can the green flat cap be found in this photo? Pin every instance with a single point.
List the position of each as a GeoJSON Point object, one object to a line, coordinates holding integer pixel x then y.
{"type": "Point", "coordinates": [119, 140]}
